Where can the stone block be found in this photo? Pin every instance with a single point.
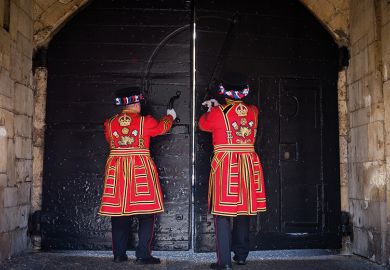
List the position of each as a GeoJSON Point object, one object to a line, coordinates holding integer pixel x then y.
{"type": "Point", "coordinates": [27, 77]}
{"type": "Point", "coordinates": [6, 84]}
{"type": "Point", "coordinates": [343, 174]}
{"type": "Point", "coordinates": [23, 126]}
{"type": "Point", "coordinates": [3, 156]}
{"type": "Point", "coordinates": [368, 244]}
{"type": "Point", "coordinates": [344, 198]}
{"type": "Point", "coordinates": [5, 247]}
{"type": "Point", "coordinates": [25, 24]}
{"type": "Point", "coordinates": [10, 196]}
{"type": "Point", "coordinates": [358, 26]}
{"type": "Point", "coordinates": [355, 96]}
{"type": "Point", "coordinates": [6, 103]}
{"type": "Point", "coordinates": [24, 100]}
{"type": "Point", "coordinates": [23, 148]}
{"type": "Point", "coordinates": [14, 18]}
{"type": "Point", "coordinates": [24, 193]}
{"type": "Point", "coordinates": [343, 149]}
{"type": "Point", "coordinates": [368, 181]}
{"type": "Point", "coordinates": [24, 212]}
{"type": "Point", "coordinates": [386, 94]}
{"type": "Point", "coordinates": [3, 180]}
{"type": "Point", "coordinates": [26, 6]}
{"type": "Point", "coordinates": [358, 146]}
{"type": "Point", "coordinates": [342, 85]}
{"type": "Point", "coordinates": [24, 45]}
{"type": "Point", "coordinates": [343, 128]}
{"type": "Point", "coordinates": [14, 217]}
{"type": "Point", "coordinates": [343, 110]}
{"type": "Point", "coordinates": [16, 64]}
{"type": "Point", "coordinates": [45, 4]}
{"type": "Point", "coordinates": [36, 198]}
{"type": "Point", "coordinates": [23, 170]}
{"type": "Point", "coordinates": [386, 50]}
{"type": "Point", "coordinates": [19, 241]}
{"type": "Point", "coordinates": [11, 163]}
{"type": "Point", "coordinates": [7, 122]}
{"type": "Point", "coordinates": [376, 142]}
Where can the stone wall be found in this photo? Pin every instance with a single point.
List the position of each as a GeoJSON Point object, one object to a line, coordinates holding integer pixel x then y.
{"type": "Point", "coordinates": [367, 151]}
{"type": "Point", "coordinates": [364, 106]}
{"type": "Point", "coordinates": [16, 110]}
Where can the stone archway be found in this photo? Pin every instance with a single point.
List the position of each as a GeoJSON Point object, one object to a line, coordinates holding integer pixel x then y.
{"type": "Point", "coordinates": [362, 25]}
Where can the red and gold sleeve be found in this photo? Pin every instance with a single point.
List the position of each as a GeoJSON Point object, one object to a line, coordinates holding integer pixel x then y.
{"type": "Point", "coordinates": [207, 120]}
{"type": "Point", "coordinates": [152, 127]}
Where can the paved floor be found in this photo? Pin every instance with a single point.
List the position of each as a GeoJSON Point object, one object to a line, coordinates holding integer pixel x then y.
{"type": "Point", "coordinates": [264, 260]}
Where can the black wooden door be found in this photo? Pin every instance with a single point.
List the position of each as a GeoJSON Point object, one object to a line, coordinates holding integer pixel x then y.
{"type": "Point", "coordinates": [292, 65]}
{"type": "Point", "coordinates": [110, 45]}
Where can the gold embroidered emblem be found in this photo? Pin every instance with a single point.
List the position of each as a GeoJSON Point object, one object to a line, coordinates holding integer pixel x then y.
{"type": "Point", "coordinates": [243, 121]}
{"type": "Point", "coordinates": [229, 134]}
{"type": "Point", "coordinates": [141, 142]}
{"type": "Point", "coordinates": [244, 132]}
{"type": "Point", "coordinates": [126, 140]}
{"type": "Point", "coordinates": [125, 130]}
{"type": "Point", "coordinates": [241, 110]}
{"type": "Point", "coordinates": [124, 120]}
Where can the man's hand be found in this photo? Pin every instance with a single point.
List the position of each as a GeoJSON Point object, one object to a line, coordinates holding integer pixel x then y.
{"type": "Point", "coordinates": [210, 103]}
{"type": "Point", "coordinates": [172, 113]}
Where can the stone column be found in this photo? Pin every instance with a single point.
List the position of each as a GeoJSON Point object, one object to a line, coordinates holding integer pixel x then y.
{"type": "Point", "coordinates": [40, 75]}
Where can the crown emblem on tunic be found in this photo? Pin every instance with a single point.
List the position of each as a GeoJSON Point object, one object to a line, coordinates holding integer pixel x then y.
{"type": "Point", "coordinates": [241, 110]}
{"type": "Point", "coordinates": [124, 120]}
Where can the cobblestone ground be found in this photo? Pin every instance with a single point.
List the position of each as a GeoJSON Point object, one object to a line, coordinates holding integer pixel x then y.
{"type": "Point", "coordinates": [275, 260]}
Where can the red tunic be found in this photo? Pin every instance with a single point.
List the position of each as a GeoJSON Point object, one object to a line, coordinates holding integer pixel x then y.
{"type": "Point", "coordinates": [131, 184]}
{"type": "Point", "coordinates": [236, 183]}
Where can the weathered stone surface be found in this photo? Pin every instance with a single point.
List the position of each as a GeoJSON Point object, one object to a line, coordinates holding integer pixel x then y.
{"type": "Point", "coordinates": [24, 100]}
{"type": "Point", "coordinates": [10, 219]}
{"type": "Point", "coordinates": [23, 170]}
{"type": "Point", "coordinates": [23, 126]}
{"type": "Point", "coordinates": [10, 196]}
{"type": "Point", "coordinates": [362, 9]}
{"type": "Point", "coordinates": [376, 142]}
{"type": "Point", "coordinates": [344, 198]}
{"type": "Point", "coordinates": [16, 64]}
{"type": "Point", "coordinates": [23, 147]}
{"type": "Point", "coordinates": [368, 181]}
{"type": "Point", "coordinates": [5, 247]}
{"type": "Point", "coordinates": [6, 102]}
{"type": "Point", "coordinates": [24, 45]}
{"type": "Point", "coordinates": [3, 156]}
{"type": "Point", "coordinates": [7, 122]}
{"type": "Point", "coordinates": [367, 214]}
{"type": "Point", "coordinates": [358, 146]}
{"type": "Point", "coordinates": [386, 93]}
{"type": "Point", "coordinates": [24, 193]}
{"type": "Point", "coordinates": [343, 149]}
{"type": "Point", "coordinates": [11, 162]}
{"type": "Point", "coordinates": [342, 85]}
{"type": "Point", "coordinates": [368, 244]}
{"type": "Point", "coordinates": [342, 110]}
{"type": "Point", "coordinates": [3, 180]}
{"type": "Point", "coordinates": [6, 84]}
{"type": "Point", "coordinates": [19, 240]}
{"type": "Point", "coordinates": [386, 46]}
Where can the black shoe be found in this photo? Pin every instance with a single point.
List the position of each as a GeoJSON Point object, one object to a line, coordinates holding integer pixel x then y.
{"type": "Point", "coordinates": [119, 259]}
{"type": "Point", "coordinates": [218, 267]}
{"type": "Point", "coordinates": [148, 260]}
{"type": "Point", "coordinates": [238, 261]}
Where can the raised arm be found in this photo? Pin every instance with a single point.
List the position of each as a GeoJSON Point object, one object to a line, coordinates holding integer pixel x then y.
{"type": "Point", "coordinates": [154, 128]}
